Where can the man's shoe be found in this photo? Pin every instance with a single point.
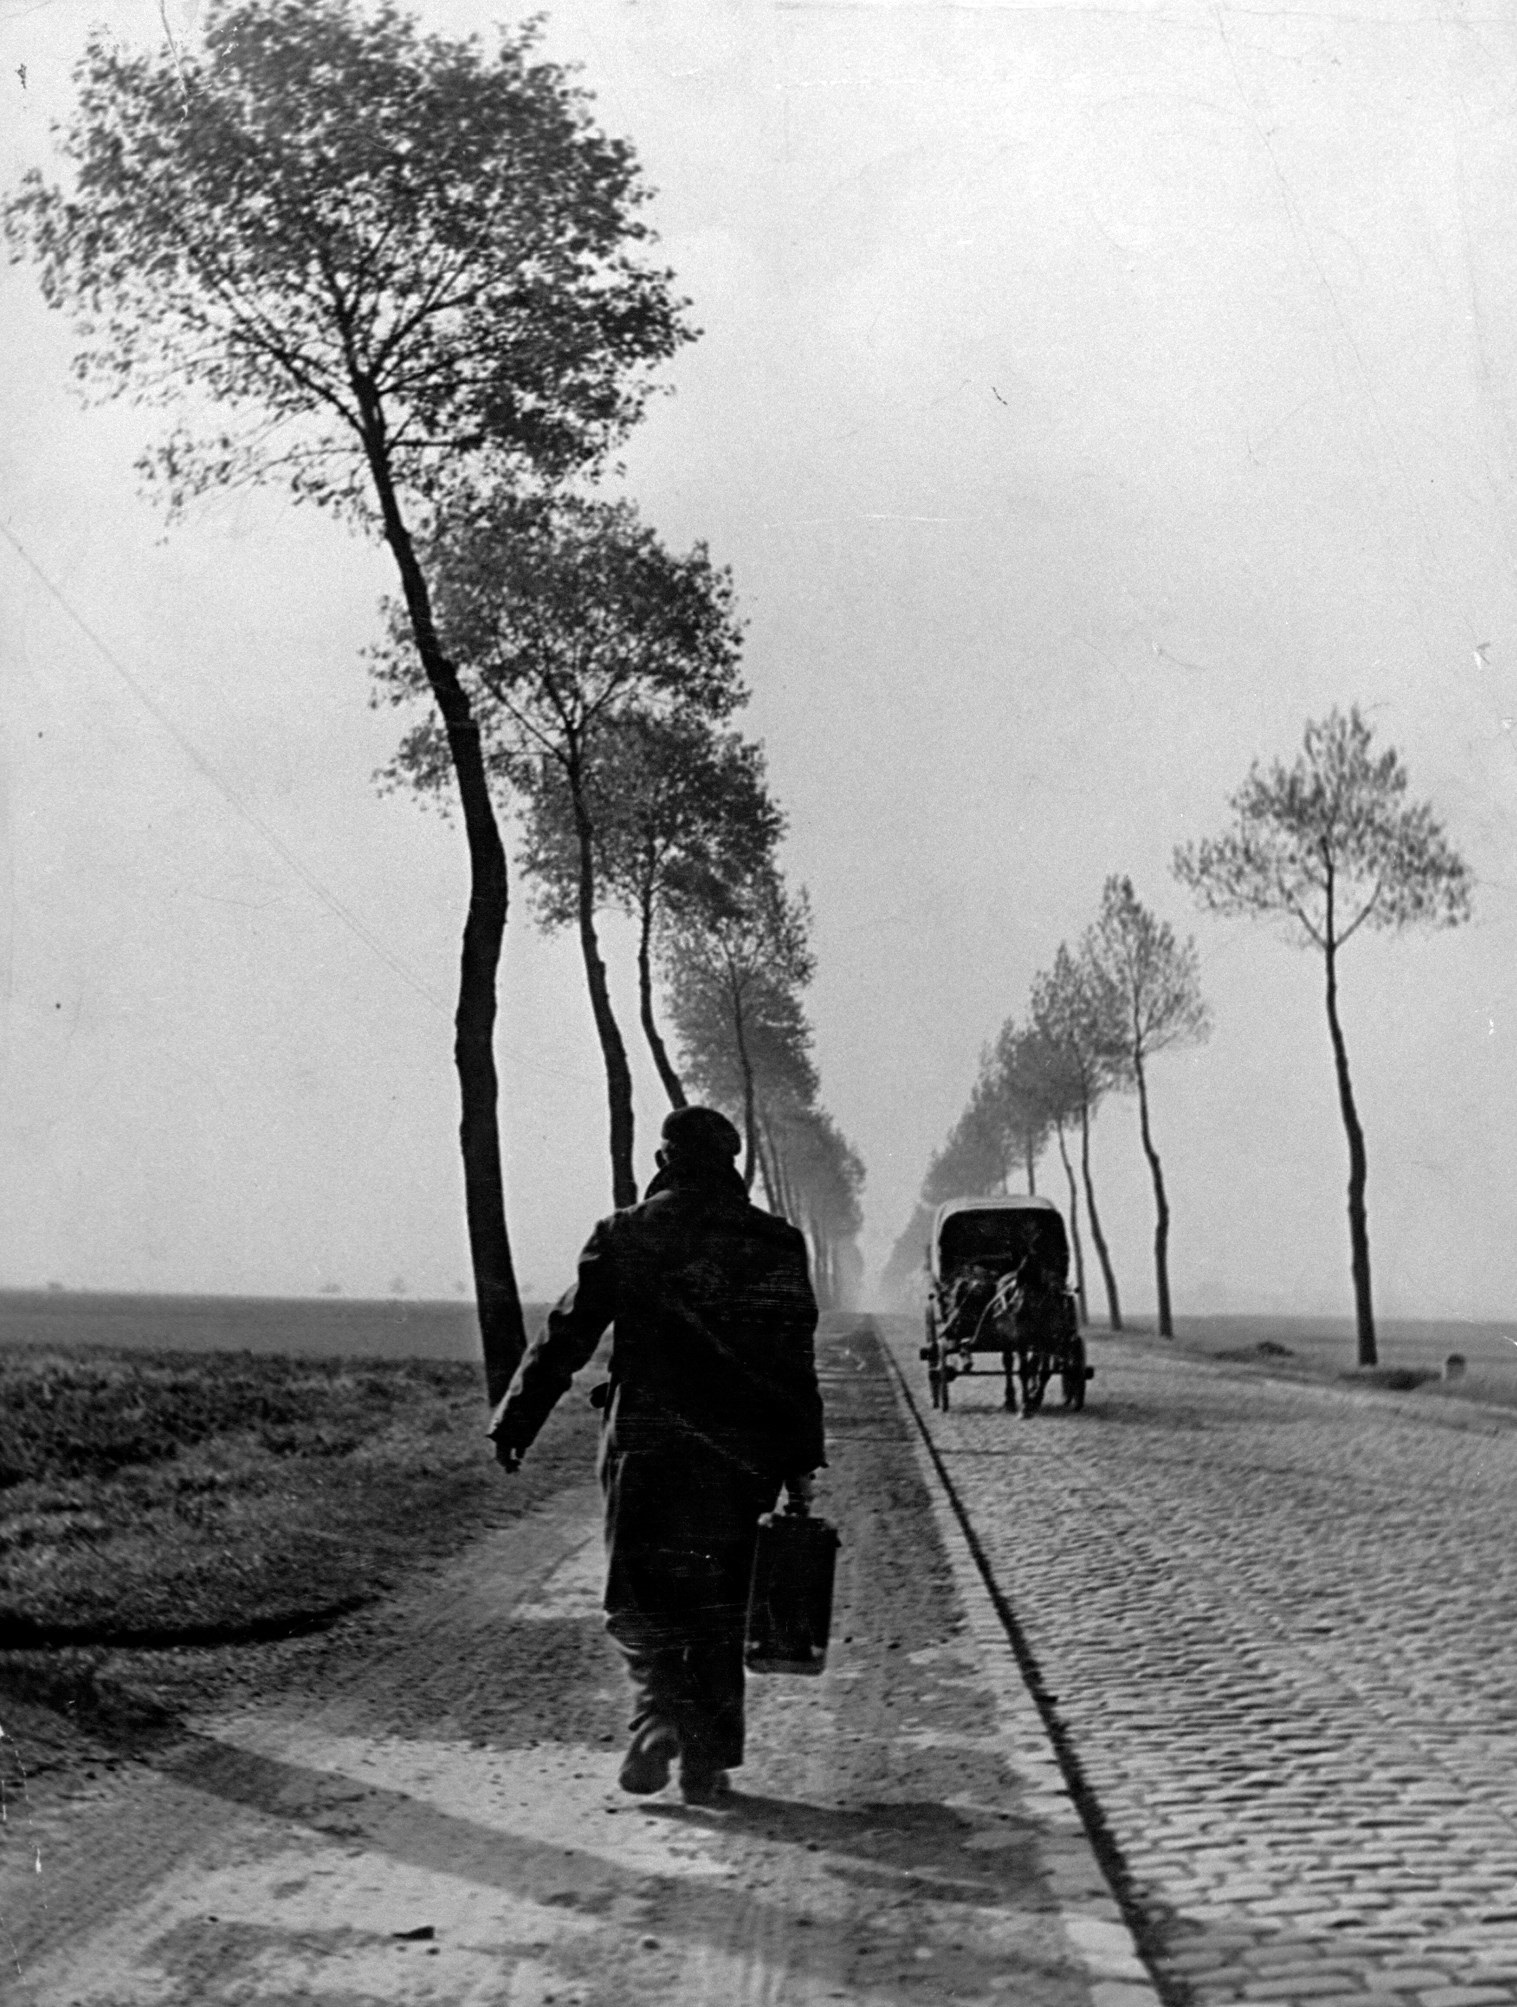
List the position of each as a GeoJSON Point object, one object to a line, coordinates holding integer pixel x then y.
{"type": "Point", "coordinates": [645, 1767]}
{"type": "Point", "coordinates": [699, 1785]}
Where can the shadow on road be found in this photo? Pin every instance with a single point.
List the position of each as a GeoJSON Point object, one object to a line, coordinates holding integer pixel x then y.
{"type": "Point", "coordinates": [882, 1842]}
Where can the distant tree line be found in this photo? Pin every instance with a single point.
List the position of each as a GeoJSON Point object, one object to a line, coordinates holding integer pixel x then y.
{"type": "Point", "coordinates": [603, 671]}
{"type": "Point", "coordinates": [1330, 846]}
{"type": "Point", "coordinates": [1094, 1023]}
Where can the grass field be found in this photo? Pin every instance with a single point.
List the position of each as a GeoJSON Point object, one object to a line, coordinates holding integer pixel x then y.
{"type": "Point", "coordinates": [322, 1327]}
{"type": "Point", "coordinates": [1326, 1346]}
{"type": "Point", "coordinates": [158, 1497]}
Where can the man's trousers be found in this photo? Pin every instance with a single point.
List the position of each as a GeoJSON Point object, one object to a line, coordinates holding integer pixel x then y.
{"type": "Point", "coordinates": [681, 1525]}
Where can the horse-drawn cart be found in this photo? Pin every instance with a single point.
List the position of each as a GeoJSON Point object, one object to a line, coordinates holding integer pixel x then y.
{"type": "Point", "coordinates": [998, 1281]}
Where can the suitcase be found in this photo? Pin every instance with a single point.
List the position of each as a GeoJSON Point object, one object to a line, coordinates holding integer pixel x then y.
{"type": "Point", "coordinates": [790, 1597]}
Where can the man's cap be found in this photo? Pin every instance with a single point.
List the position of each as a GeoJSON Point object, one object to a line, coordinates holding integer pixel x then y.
{"type": "Point", "coordinates": [700, 1132]}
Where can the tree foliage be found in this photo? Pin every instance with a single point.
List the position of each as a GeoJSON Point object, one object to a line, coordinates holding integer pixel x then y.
{"type": "Point", "coordinates": [1004, 1124]}
{"type": "Point", "coordinates": [817, 1181]}
{"type": "Point", "coordinates": [677, 807]}
{"type": "Point", "coordinates": [572, 626]}
{"type": "Point", "coordinates": [351, 238]}
{"type": "Point", "coordinates": [903, 1278]}
{"type": "Point", "coordinates": [1014, 1077]}
{"type": "Point", "coordinates": [1066, 1015]}
{"type": "Point", "coordinates": [1330, 845]}
{"type": "Point", "coordinates": [676, 804]}
{"type": "Point", "coordinates": [735, 956]}
{"type": "Point", "coordinates": [1043, 1087]}
{"type": "Point", "coordinates": [1146, 990]}
{"type": "Point", "coordinates": [569, 618]}
{"type": "Point", "coordinates": [972, 1157]}
{"type": "Point", "coordinates": [1146, 984]}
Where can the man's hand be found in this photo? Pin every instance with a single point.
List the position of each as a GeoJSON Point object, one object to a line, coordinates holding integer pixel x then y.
{"type": "Point", "coordinates": [506, 1455]}
{"type": "Point", "coordinates": [800, 1487]}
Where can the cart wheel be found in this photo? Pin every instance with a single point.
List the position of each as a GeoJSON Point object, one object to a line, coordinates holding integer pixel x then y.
{"type": "Point", "coordinates": [1073, 1375]}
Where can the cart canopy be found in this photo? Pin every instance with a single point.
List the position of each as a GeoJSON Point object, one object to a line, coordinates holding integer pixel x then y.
{"type": "Point", "coordinates": [996, 1233]}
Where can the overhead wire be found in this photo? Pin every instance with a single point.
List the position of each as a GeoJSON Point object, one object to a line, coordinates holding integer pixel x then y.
{"type": "Point", "coordinates": [339, 909]}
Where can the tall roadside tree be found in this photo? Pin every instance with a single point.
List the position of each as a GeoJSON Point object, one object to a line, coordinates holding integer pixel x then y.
{"type": "Point", "coordinates": [1330, 845]}
{"type": "Point", "coordinates": [734, 961]}
{"type": "Point", "coordinates": [822, 1177]}
{"type": "Point", "coordinates": [1051, 1088]}
{"type": "Point", "coordinates": [1147, 991]}
{"type": "Point", "coordinates": [903, 1278]}
{"type": "Point", "coordinates": [569, 623]}
{"type": "Point", "coordinates": [676, 806]}
{"type": "Point", "coordinates": [973, 1157]}
{"type": "Point", "coordinates": [1009, 1081]}
{"type": "Point", "coordinates": [1065, 1013]}
{"type": "Point", "coordinates": [365, 259]}
{"type": "Point", "coordinates": [777, 1042]}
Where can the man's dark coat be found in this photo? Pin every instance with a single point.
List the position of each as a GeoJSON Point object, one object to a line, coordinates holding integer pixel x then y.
{"type": "Point", "coordinates": [712, 1403]}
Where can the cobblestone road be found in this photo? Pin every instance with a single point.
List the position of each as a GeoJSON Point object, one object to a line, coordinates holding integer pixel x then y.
{"type": "Point", "coordinates": [1279, 1623]}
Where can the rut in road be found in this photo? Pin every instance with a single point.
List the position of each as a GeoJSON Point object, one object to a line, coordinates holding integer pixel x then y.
{"type": "Point", "coordinates": [420, 1807]}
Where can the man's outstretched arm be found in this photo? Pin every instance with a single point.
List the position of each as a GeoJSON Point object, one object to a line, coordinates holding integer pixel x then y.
{"type": "Point", "coordinates": [575, 1326]}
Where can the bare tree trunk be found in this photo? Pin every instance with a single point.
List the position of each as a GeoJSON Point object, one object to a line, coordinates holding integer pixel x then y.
{"type": "Point", "coordinates": [750, 1117]}
{"type": "Point", "coordinates": [613, 1049]}
{"type": "Point", "coordinates": [1113, 1307]}
{"type": "Point", "coordinates": [1161, 1203]}
{"type": "Point", "coordinates": [666, 1072]}
{"type": "Point", "coordinates": [502, 1330]}
{"type": "Point", "coordinates": [821, 1265]}
{"type": "Point", "coordinates": [766, 1174]}
{"type": "Point", "coordinates": [1032, 1170]}
{"type": "Point", "coordinates": [1074, 1226]}
{"type": "Point", "coordinates": [1358, 1172]}
{"type": "Point", "coordinates": [790, 1204]}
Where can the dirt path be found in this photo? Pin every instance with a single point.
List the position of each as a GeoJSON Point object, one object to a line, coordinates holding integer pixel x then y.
{"type": "Point", "coordinates": [421, 1807]}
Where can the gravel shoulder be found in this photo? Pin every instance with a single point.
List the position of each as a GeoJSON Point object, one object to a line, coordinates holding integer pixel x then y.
{"type": "Point", "coordinates": [419, 1805]}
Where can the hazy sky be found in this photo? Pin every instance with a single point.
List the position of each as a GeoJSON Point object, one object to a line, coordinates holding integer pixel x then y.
{"type": "Point", "coordinates": [1087, 396]}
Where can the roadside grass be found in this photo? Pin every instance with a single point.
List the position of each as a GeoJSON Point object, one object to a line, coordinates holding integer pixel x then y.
{"type": "Point", "coordinates": [1413, 1353]}
{"type": "Point", "coordinates": [1492, 1390]}
{"type": "Point", "coordinates": [167, 1497]}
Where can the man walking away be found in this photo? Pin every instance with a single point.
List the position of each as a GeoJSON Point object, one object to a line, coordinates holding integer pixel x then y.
{"type": "Point", "coordinates": [712, 1405]}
